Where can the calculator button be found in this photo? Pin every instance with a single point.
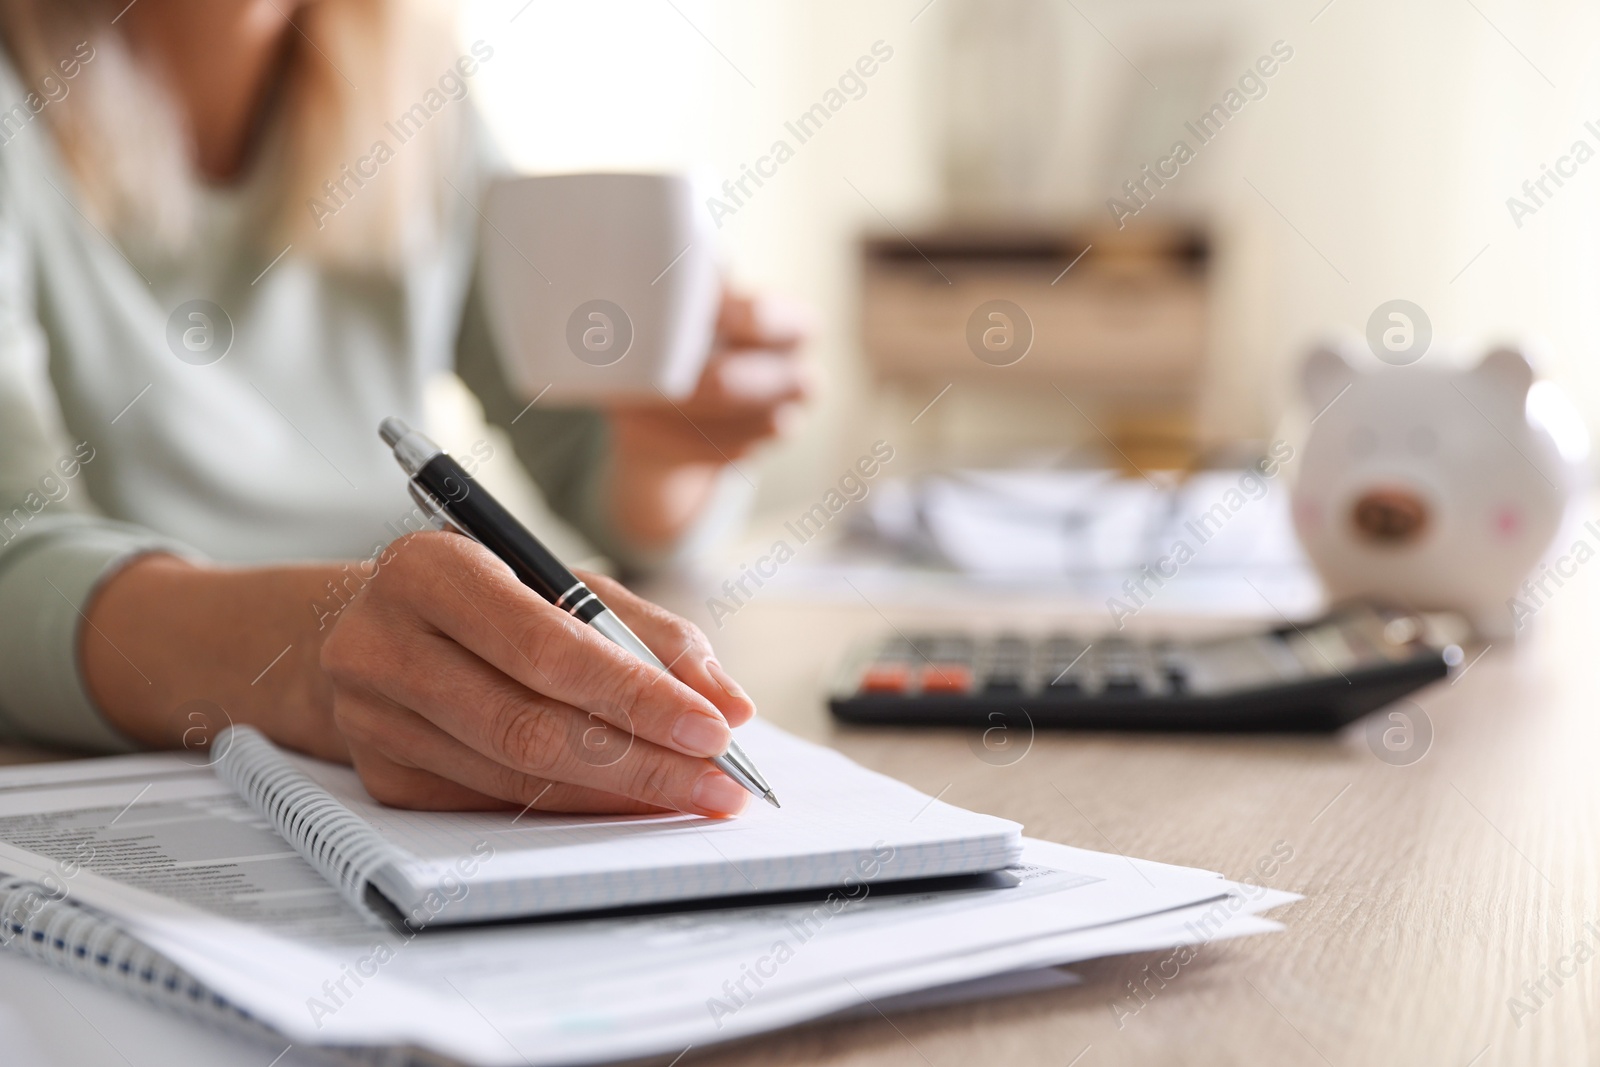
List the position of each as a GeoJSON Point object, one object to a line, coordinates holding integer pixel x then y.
{"type": "Point", "coordinates": [1063, 672]}
{"type": "Point", "coordinates": [897, 650]}
{"type": "Point", "coordinates": [946, 678]}
{"type": "Point", "coordinates": [1067, 684]}
{"type": "Point", "coordinates": [886, 678]}
{"type": "Point", "coordinates": [1003, 683]}
{"type": "Point", "coordinates": [942, 647]}
{"type": "Point", "coordinates": [1062, 645]}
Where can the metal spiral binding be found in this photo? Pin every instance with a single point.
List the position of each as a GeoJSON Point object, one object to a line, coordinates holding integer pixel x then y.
{"type": "Point", "coordinates": [36, 922]}
{"type": "Point", "coordinates": [332, 839]}
{"type": "Point", "coordinates": [39, 923]}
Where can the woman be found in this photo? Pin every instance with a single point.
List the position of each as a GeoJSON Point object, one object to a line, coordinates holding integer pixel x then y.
{"type": "Point", "coordinates": [163, 516]}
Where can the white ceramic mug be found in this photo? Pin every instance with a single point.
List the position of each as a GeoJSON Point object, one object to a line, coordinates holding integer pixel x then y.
{"type": "Point", "coordinates": [599, 286]}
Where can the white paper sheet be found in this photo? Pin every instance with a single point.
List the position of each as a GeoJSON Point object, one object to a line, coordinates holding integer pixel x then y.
{"type": "Point", "coordinates": [194, 874]}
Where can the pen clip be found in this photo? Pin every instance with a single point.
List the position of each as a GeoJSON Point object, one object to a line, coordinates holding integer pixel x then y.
{"type": "Point", "coordinates": [435, 511]}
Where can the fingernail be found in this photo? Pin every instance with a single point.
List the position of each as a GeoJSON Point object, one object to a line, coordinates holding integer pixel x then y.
{"type": "Point", "coordinates": [728, 685]}
{"type": "Point", "coordinates": [716, 792]}
{"type": "Point", "coordinates": [701, 735]}
{"type": "Point", "coordinates": [784, 318]}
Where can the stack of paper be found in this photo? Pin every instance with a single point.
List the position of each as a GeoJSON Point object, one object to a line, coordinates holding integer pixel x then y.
{"type": "Point", "coordinates": [195, 875]}
{"type": "Point", "coordinates": [1070, 536]}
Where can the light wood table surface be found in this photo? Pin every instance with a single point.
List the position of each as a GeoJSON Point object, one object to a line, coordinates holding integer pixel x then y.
{"type": "Point", "coordinates": [1433, 890]}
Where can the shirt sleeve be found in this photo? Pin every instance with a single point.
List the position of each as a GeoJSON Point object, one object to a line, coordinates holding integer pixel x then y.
{"type": "Point", "coordinates": [54, 550]}
{"type": "Point", "coordinates": [47, 577]}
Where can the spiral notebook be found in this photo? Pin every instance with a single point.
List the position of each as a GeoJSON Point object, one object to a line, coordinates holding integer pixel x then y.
{"type": "Point", "coordinates": [841, 825]}
{"type": "Point", "coordinates": [96, 947]}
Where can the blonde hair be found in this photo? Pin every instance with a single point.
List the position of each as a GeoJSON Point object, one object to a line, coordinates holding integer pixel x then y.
{"type": "Point", "coordinates": [354, 65]}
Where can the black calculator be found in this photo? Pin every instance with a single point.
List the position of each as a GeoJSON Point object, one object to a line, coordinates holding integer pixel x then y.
{"type": "Point", "coordinates": [1313, 676]}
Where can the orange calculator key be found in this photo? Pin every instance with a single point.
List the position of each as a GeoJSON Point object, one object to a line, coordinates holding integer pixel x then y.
{"type": "Point", "coordinates": [886, 678]}
{"type": "Point", "coordinates": [946, 678]}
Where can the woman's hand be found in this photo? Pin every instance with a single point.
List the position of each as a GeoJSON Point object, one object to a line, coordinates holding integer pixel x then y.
{"type": "Point", "coordinates": [667, 454]}
{"type": "Point", "coordinates": [458, 687]}
{"type": "Point", "coordinates": [445, 681]}
{"type": "Point", "coordinates": [442, 678]}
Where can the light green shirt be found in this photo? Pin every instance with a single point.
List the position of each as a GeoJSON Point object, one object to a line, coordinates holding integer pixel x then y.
{"type": "Point", "coordinates": [117, 439]}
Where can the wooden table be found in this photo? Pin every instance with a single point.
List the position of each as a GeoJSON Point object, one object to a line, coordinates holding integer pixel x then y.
{"type": "Point", "coordinates": [1433, 890]}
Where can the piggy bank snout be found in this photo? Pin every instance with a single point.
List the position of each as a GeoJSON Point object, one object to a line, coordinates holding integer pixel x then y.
{"type": "Point", "coordinates": [1390, 515]}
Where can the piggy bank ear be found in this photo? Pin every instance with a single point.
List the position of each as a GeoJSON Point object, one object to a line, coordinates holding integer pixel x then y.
{"type": "Point", "coordinates": [1505, 372]}
{"type": "Point", "coordinates": [1324, 375]}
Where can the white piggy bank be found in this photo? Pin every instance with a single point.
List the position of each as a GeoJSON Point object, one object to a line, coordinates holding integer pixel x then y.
{"type": "Point", "coordinates": [1431, 487]}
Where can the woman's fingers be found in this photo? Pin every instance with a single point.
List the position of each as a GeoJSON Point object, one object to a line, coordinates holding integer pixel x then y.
{"type": "Point", "coordinates": [678, 643]}
{"type": "Point", "coordinates": [739, 385]}
{"type": "Point", "coordinates": [410, 763]}
{"type": "Point", "coordinates": [749, 391]}
{"type": "Point", "coordinates": [401, 786]}
{"type": "Point", "coordinates": [747, 381]}
{"type": "Point", "coordinates": [714, 440]}
{"type": "Point", "coordinates": [761, 322]}
{"type": "Point", "coordinates": [475, 601]}
{"type": "Point", "coordinates": [524, 734]}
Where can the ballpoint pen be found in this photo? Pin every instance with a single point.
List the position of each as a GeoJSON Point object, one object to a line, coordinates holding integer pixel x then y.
{"type": "Point", "coordinates": [441, 487]}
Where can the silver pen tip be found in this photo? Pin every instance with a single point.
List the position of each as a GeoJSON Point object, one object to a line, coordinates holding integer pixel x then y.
{"type": "Point", "coordinates": [391, 430]}
{"type": "Point", "coordinates": [770, 799]}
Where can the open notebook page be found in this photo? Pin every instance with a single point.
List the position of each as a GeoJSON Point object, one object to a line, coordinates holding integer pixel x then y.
{"type": "Point", "coordinates": [840, 824]}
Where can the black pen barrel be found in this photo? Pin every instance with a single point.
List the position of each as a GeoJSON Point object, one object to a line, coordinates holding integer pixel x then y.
{"type": "Point", "coordinates": [483, 516]}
